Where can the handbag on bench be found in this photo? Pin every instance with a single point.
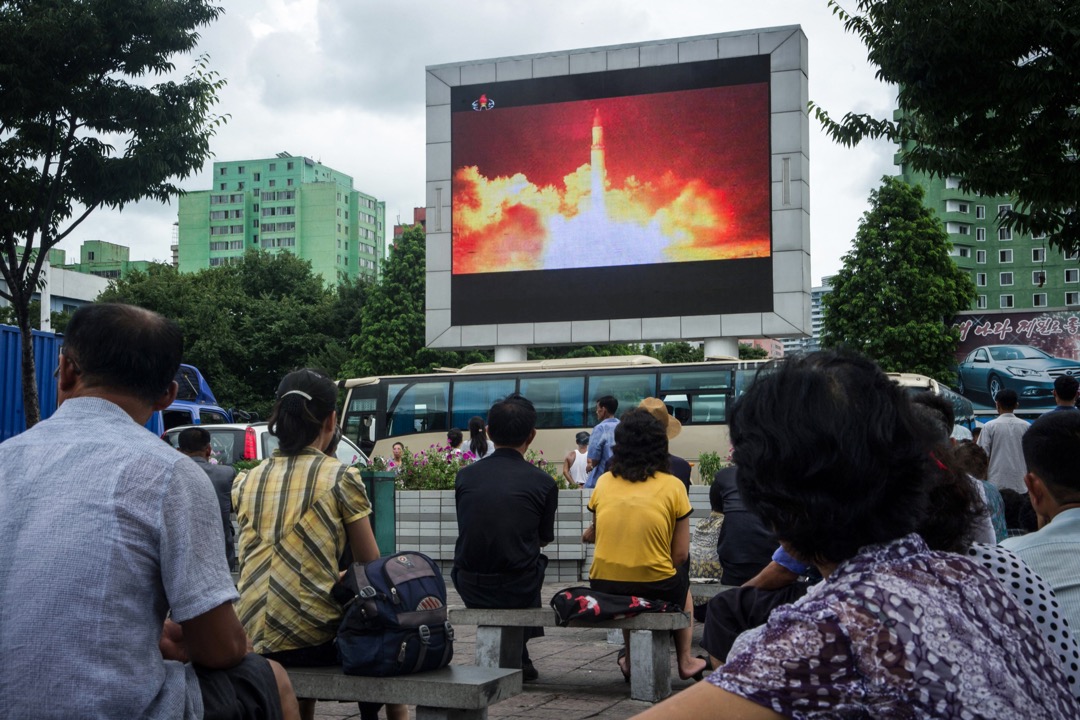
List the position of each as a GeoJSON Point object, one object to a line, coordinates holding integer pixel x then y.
{"type": "Point", "coordinates": [585, 604]}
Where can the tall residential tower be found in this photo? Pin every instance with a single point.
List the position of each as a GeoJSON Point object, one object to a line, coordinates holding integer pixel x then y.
{"type": "Point", "coordinates": [283, 203]}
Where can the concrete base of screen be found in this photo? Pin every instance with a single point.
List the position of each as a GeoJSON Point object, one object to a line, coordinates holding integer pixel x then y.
{"type": "Point", "coordinates": [513, 353]}
{"type": "Point", "coordinates": [722, 348]}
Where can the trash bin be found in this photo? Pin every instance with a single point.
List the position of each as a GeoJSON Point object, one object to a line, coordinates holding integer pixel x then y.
{"type": "Point", "coordinates": [380, 488]}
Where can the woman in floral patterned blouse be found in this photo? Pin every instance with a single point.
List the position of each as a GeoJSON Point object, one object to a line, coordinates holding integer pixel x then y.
{"type": "Point", "coordinates": [831, 456]}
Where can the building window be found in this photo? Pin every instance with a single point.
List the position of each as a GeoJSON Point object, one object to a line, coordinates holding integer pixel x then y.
{"type": "Point", "coordinates": [1005, 256]}
{"type": "Point", "coordinates": [1072, 298]}
{"type": "Point", "coordinates": [1038, 277]}
{"type": "Point", "coordinates": [221, 171]}
{"type": "Point", "coordinates": [1038, 255]}
{"type": "Point", "coordinates": [1072, 275]}
{"type": "Point", "coordinates": [1004, 233]}
{"type": "Point", "coordinates": [1039, 236]}
{"type": "Point", "coordinates": [289, 182]}
{"type": "Point", "coordinates": [1005, 278]}
{"type": "Point", "coordinates": [980, 279]}
{"type": "Point", "coordinates": [290, 166]}
{"type": "Point", "coordinates": [964, 229]}
{"type": "Point", "coordinates": [965, 252]}
{"type": "Point", "coordinates": [980, 257]}
{"type": "Point", "coordinates": [255, 177]}
{"type": "Point", "coordinates": [980, 234]}
{"type": "Point", "coordinates": [1005, 301]}
{"type": "Point", "coordinates": [255, 223]}
{"type": "Point", "coordinates": [272, 184]}
{"type": "Point", "coordinates": [1006, 208]}
{"type": "Point", "coordinates": [273, 167]}
{"type": "Point", "coordinates": [1071, 256]}
{"type": "Point", "coordinates": [1038, 300]}
{"type": "Point", "coordinates": [980, 212]}
{"type": "Point", "coordinates": [239, 186]}
{"type": "Point", "coordinates": [221, 186]}
{"type": "Point", "coordinates": [980, 302]}
{"type": "Point", "coordinates": [90, 256]}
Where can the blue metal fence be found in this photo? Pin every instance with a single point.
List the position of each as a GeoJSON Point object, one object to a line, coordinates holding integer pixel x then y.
{"type": "Point", "coordinates": [46, 355]}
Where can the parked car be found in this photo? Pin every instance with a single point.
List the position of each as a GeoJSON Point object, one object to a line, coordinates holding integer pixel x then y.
{"type": "Point", "coordinates": [1027, 370]}
{"type": "Point", "coordinates": [230, 442]}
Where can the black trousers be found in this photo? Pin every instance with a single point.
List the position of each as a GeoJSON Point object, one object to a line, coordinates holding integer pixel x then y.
{"type": "Point", "coordinates": [731, 613]}
{"type": "Point", "coordinates": [504, 590]}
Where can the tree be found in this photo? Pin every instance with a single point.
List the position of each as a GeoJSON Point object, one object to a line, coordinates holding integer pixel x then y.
{"type": "Point", "coordinates": [752, 352]}
{"type": "Point", "coordinates": [1013, 131]}
{"type": "Point", "coordinates": [898, 288]}
{"type": "Point", "coordinates": [246, 325]}
{"type": "Point", "coordinates": [392, 342]}
{"type": "Point", "coordinates": [73, 90]}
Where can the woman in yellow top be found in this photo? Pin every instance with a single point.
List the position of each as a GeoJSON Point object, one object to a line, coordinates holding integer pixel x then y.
{"type": "Point", "coordinates": [642, 529]}
{"type": "Point", "coordinates": [295, 511]}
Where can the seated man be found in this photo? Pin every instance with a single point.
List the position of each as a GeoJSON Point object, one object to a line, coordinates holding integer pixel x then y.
{"type": "Point", "coordinates": [505, 513]}
{"type": "Point", "coordinates": [195, 443]}
{"type": "Point", "coordinates": [1051, 447]}
{"type": "Point", "coordinates": [106, 532]}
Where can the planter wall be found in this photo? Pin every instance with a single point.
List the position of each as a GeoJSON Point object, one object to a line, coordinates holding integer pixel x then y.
{"type": "Point", "coordinates": [426, 520]}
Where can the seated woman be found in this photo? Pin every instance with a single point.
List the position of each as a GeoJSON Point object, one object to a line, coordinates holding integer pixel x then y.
{"type": "Point", "coordinates": [642, 529]}
{"type": "Point", "coordinates": [296, 511]}
{"type": "Point", "coordinates": [831, 456]}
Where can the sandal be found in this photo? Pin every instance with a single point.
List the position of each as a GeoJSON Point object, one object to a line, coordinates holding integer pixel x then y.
{"type": "Point", "coordinates": [619, 661]}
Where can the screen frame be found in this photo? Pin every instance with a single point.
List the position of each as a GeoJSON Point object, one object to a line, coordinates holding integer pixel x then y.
{"type": "Point", "coordinates": [762, 297]}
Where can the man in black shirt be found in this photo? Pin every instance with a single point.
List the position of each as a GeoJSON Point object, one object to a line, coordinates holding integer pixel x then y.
{"type": "Point", "coordinates": [745, 545]}
{"type": "Point", "coordinates": [505, 513]}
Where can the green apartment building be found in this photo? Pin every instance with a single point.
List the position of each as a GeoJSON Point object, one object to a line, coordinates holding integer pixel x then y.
{"type": "Point", "coordinates": [106, 259]}
{"type": "Point", "coordinates": [283, 203]}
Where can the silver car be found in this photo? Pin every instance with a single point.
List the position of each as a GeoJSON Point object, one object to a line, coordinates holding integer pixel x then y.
{"type": "Point", "coordinates": [1027, 370]}
{"type": "Point", "coordinates": [230, 442]}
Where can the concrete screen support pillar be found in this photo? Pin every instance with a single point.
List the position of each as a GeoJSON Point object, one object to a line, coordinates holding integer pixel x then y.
{"type": "Point", "coordinates": [722, 348]}
{"type": "Point", "coordinates": [510, 353]}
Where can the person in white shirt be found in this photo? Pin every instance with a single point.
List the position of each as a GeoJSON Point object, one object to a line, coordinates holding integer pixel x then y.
{"type": "Point", "coordinates": [574, 464]}
{"type": "Point", "coordinates": [1001, 438]}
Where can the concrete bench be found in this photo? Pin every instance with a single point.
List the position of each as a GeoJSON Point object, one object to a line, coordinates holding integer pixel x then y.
{"type": "Point", "coordinates": [454, 692]}
{"type": "Point", "coordinates": [702, 592]}
{"type": "Point", "coordinates": [500, 633]}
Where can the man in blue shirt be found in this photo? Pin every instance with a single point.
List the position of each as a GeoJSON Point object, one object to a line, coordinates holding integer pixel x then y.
{"type": "Point", "coordinates": [1065, 389]}
{"type": "Point", "coordinates": [602, 440]}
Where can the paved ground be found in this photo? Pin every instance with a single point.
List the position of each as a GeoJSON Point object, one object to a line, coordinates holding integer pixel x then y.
{"type": "Point", "coordinates": [578, 676]}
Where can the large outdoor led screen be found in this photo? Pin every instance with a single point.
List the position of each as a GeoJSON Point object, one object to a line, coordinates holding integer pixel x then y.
{"type": "Point", "coordinates": [631, 193]}
{"type": "Point", "coordinates": [614, 194]}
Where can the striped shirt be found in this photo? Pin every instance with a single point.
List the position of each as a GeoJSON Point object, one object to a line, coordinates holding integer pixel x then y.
{"type": "Point", "coordinates": [292, 512]}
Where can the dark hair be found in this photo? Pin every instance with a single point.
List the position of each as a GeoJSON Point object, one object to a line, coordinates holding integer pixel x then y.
{"type": "Point", "coordinates": [954, 504]}
{"type": "Point", "coordinates": [1007, 399]}
{"type": "Point", "coordinates": [938, 404]}
{"type": "Point", "coordinates": [124, 348]}
{"type": "Point", "coordinates": [716, 496]}
{"type": "Point", "coordinates": [582, 438]}
{"type": "Point", "coordinates": [1019, 515]}
{"type": "Point", "coordinates": [477, 437]}
{"type": "Point", "coordinates": [1066, 387]}
{"type": "Point", "coordinates": [454, 436]}
{"type": "Point", "coordinates": [932, 419]}
{"type": "Point", "coordinates": [193, 440]}
{"type": "Point", "coordinates": [1051, 446]}
{"type": "Point", "coordinates": [511, 421]}
{"type": "Point", "coordinates": [972, 458]}
{"type": "Point", "coordinates": [641, 446]}
{"type": "Point", "coordinates": [304, 400]}
{"type": "Point", "coordinates": [609, 403]}
{"type": "Point", "coordinates": [830, 455]}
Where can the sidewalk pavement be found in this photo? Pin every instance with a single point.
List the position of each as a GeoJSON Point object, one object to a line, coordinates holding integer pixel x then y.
{"type": "Point", "coordinates": [578, 675]}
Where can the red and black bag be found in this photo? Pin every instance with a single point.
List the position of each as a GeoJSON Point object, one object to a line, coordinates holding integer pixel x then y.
{"type": "Point", "coordinates": [585, 604]}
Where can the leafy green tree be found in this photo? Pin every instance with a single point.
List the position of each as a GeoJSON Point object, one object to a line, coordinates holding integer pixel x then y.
{"type": "Point", "coordinates": [1012, 131]}
{"type": "Point", "coordinates": [898, 288]}
{"type": "Point", "coordinates": [246, 325]}
{"type": "Point", "coordinates": [752, 352]}
{"type": "Point", "coordinates": [80, 128]}
{"type": "Point", "coordinates": [392, 341]}
{"type": "Point", "coordinates": [58, 320]}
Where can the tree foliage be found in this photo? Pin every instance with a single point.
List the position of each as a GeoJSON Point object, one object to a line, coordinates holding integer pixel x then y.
{"type": "Point", "coordinates": [246, 325]}
{"type": "Point", "coordinates": [80, 128]}
{"type": "Point", "coordinates": [392, 317]}
{"type": "Point", "coordinates": [990, 91]}
{"type": "Point", "coordinates": [898, 288]}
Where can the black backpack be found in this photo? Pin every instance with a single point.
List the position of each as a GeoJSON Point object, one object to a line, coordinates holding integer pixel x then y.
{"type": "Point", "coordinates": [397, 623]}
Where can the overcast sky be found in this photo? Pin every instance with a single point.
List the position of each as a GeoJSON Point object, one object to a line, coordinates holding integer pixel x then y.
{"type": "Point", "coordinates": [343, 83]}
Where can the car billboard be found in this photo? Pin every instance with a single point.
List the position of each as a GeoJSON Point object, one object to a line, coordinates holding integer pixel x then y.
{"type": "Point", "coordinates": [1023, 351]}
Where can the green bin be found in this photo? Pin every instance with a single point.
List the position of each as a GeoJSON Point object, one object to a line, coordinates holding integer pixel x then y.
{"type": "Point", "coordinates": [380, 488]}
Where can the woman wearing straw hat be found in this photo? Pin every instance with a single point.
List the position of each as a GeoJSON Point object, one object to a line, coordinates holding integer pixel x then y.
{"type": "Point", "coordinates": [677, 466]}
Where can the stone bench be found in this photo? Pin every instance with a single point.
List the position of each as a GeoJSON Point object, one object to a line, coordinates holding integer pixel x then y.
{"type": "Point", "coordinates": [702, 592]}
{"type": "Point", "coordinates": [455, 692]}
{"type": "Point", "coordinates": [500, 633]}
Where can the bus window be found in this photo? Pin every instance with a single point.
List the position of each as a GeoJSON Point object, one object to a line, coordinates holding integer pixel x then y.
{"type": "Point", "coordinates": [629, 390]}
{"type": "Point", "coordinates": [708, 409]}
{"type": "Point", "coordinates": [416, 407]}
{"type": "Point", "coordinates": [559, 402]}
{"type": "Point", "coordinates": [475, 397]}
{"type": "Point", "coordinates": [698, 380]}
{"type": "Point", "coordinates": [360, 421]}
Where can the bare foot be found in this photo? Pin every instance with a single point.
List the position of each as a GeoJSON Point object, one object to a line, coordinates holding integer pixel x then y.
{"type": "Point", "coordinates": [695, 669]}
